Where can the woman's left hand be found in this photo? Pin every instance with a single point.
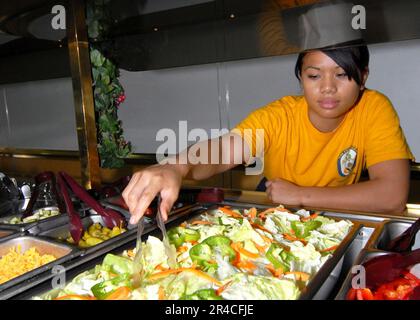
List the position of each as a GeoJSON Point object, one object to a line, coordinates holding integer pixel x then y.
{"type": "Point", "coordinates": [283, 192]}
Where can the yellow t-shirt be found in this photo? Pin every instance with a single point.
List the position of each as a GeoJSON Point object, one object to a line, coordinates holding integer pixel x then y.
{"type": "Point", "coordinates": [296, 151]}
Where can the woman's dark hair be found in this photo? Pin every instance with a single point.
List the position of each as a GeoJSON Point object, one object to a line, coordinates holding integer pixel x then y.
{"type": "Point", "coordinates": [353, 59]}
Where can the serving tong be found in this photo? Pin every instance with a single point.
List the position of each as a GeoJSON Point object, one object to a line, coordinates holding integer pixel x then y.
{"type": "Point", "coordinates": [138, 270]}
{"type": "Point", "coordinates": [75, 222]}
{"type": "Point", "coordinates": [169, 249]}
{"type": "Point", "coordinates": [405, 241]}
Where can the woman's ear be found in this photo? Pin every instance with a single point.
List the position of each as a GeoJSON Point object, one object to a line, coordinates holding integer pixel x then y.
{"type": "Point", "coordinates": [365, 75]}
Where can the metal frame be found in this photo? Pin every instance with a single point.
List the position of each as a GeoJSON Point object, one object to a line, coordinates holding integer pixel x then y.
{"type": "Point", "coordinates": [83, 94]}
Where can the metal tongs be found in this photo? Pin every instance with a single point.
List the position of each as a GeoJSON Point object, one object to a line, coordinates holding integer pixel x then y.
{"type": "Point", "coordinates": [169, 249]}
{"type": "Point", "coordinates": [138, 270]}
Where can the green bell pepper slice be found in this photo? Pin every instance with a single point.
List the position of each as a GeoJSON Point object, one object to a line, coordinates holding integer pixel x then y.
{"type": "Point", "coordinates": [303, 229]}
{"type": "Point", "coordinates": [103, 289]}
{"type": "Point", "coordinates": [178, 235]}
{"type": "Point", "coordinates": [204, 252]}
{"type": "Point", "coordinates": [278, 257]}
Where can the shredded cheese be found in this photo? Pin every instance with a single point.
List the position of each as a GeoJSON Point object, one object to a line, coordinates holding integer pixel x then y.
{"type": "Point", "coordinates": [16, 263]}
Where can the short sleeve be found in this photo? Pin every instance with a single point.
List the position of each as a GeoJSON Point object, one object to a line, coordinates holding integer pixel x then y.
{"type": "Point", "coordinates": [385, 139]}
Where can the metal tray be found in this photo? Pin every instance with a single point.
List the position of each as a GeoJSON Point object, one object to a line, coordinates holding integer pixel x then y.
{"type": "Point", "coordinates": [323, 282]}
{"type": "Point", "coordinates": [89, 260]}
{"type": "Point", "coordinates": [7, 234]}
{"type": "Point", "coordinates": [60, 218]}
{"type": "Point", "coordinates": [319, 287]}
{"type": "Point", "coordinates": [61, 232]}
{"type": "Point", "coordinates": [62, 252]}
{"type": "Point", "coordinates": [392, 229]}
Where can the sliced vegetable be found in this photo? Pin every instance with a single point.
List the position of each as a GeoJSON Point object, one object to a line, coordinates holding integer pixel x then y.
{"type": "Point", "coordinates": [178, 235]}
{"type": "Point", "coordinates": [279, 257]}
{"type": "Point", "coordinates": [103, 290]}
{"type": "Point", "coordinates": [203, 254]}
{"type": "Point", "coordinates": [117, 264]}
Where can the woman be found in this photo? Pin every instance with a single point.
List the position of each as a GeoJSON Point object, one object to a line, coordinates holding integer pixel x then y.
{"type": "Point", "coordinates": [315, 145]}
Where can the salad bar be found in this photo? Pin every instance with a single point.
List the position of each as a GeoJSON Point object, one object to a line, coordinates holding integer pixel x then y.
{"type": "Point", "coordinates": [217, 249]}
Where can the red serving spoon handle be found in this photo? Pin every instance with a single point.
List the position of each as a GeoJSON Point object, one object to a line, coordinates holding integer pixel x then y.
{"type": "Point", "coordinates": [76, 226]}
{"type": "Point", "coordinates": [387, 268]}
{"type": "Point", "coordinates": [111, 217]}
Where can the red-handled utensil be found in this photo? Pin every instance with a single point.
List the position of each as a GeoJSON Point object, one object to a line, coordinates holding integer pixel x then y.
{"type": "Point", "coordinates": [386, 268]}
{"type": "Point", "coordinates": [405, 241]}
{"type": "Point", "coordinates": [111, 217]}
{"type": "Point", "coordinates": [76, 226]}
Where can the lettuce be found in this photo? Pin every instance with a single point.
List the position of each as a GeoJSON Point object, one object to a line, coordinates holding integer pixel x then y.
{"type": "Point", "coordinates": [250, 287]}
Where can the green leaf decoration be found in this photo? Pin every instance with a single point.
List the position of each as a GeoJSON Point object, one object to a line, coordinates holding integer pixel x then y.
{"type": "Point", "coordinates": [112, 147]}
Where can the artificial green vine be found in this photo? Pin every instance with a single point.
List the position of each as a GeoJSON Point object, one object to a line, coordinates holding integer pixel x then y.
{"type": "Point", "coordinates": [107, 90]}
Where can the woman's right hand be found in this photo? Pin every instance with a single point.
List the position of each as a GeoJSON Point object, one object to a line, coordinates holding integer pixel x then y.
{"type": "Point", "coordinates": [146, 184]}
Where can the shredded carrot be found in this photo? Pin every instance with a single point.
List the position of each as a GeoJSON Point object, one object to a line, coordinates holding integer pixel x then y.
{"type": "Point", "coordinates": [201, 222]}
{"type": "Point", "coordinates": [275, 272]}
{"type": "Point", "coordinates": [75, 297]}
{"type": "Point", "coordinates": [257, 226]}
{"type": "Point", "coordinates": [266, 239]}
{"type": "Point", "coordinates": [261, 249]}
{"type": "Point", "coordinates": [293, 238]}
{"type": "Point", "coordinates": [184, 224]}
{"type": "Point", "coordinates": [329, 249]}
{"type": "Point", "coordinates": [223, 288]}
{"type": "Point", "coordinates": [199, 273]}
{"type": "Point", "coordinates": [204, 275]}
{"type": "Point", "coordinates": [312, 216]}
{"type": "Point", "coordinates": [122, 293]}
{"type": "Point", "coordinates": [265, 212]}
{"type": "Point", "coordinates": [237, 258]}
{"type": "Point", "coordinates": [165, 273]}
{"type": "Point", "coordinates": [230, 212]}
{"type": "Point", "coordinates": [160, 267]}
{"type": "Point", "coordinates": [252, 213]}
{"type": "Point", "coordinates": [246, 264]}
{"type": "Point", "coordinates": [161, 293]}
{"type": "Point", "coordinates": [130, 253]}
{"type": "Point", "coordinates": [182, 249]}
{"type": "Point", "coordinates": [192, 242]}
{"type": "Point", "coordinates": [238, 247]}
{"type": "Point", "coordinates": [303, 276]}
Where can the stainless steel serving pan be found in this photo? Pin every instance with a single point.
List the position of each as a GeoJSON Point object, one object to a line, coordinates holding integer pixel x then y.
{"type": "Point", "coordinates": [319, 287]}
{"type": "Point", "coordinates": [88, 260]}
{"type": "Point", "coordinates": [7, 234]}
{"type": "Point", "coordinates": [61, 232]}
{"type": "Point", "coordinates": [61, 251]}
{"type": "Point", "coordinates": [60, 218]}
{"type": "Point", "coordinates": [323, 282]}
{"type": "Point", "coordinates": [392, 229]}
